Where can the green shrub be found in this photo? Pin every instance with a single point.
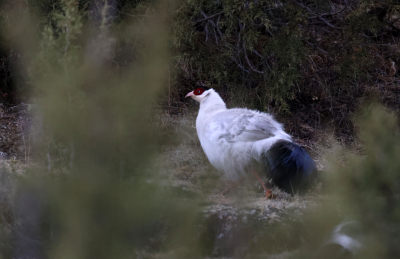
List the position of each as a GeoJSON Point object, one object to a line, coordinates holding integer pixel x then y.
{"type": "Point", "coordinates": [92, 190]}
{"type": "Point", "coordinates": [230, 45]}
{"type": "Point", "coordinates": [310, 59]}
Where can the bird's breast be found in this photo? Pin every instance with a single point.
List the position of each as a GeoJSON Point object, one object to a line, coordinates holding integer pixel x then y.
{"type": "Point", "coordinates": [231, 159]}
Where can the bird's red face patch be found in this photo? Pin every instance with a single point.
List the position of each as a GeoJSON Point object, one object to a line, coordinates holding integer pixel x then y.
{"type": "Point", "coordinates": [198, 91]}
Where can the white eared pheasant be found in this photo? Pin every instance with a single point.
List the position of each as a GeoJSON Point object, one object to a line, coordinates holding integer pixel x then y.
{"type": "Point", "coordinates": [238, 141]}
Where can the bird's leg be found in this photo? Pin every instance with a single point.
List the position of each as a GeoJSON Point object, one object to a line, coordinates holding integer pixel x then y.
{"type": "Point", "coordinates": [268, 192]}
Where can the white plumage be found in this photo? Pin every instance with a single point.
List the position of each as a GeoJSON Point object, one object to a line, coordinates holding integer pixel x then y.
{"type": "Point", "coordinates": [234, 139]}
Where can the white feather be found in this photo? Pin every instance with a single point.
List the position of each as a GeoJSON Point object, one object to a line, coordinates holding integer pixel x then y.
{"type": "Point", "coordinates": [233, 138]}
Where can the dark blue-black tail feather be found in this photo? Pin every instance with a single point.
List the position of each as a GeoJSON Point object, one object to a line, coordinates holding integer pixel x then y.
{"type": "Point", "coordinates": [290, 167]}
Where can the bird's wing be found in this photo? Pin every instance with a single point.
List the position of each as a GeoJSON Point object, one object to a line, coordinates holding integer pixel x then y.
{"type": "Point", "coordinates": [241, 125]}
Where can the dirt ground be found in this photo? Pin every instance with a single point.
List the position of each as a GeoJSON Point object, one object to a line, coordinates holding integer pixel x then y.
{"type": "Point", "coordinates": [183, 165]}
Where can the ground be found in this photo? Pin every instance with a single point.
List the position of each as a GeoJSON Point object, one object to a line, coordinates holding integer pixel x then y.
{"type": "Point", "coordinates": [184, 166]}
{"type": "Point", "coordinates": [14, 138]}
{"type": "Point", "coordinates": [242, 212]}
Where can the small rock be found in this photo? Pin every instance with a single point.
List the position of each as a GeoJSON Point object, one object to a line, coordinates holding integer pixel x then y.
{"type": "Point", "coordinates": [3, 155]}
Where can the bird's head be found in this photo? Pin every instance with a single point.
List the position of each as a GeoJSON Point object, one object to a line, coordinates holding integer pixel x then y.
{"type": "Point", "coordinates": [199, 94]}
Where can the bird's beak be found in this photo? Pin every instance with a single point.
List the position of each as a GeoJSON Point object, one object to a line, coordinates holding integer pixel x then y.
{"type": "Point", "coordinates": [189, 94]}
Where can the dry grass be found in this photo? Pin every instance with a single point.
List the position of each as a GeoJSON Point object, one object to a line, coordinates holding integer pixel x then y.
{"type": "Point", "coordinates": [182, 162]}
{"type": "Point", "coordinates": [184, 165]}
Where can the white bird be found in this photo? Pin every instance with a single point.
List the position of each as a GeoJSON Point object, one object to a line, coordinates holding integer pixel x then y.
{"type": "Point", "coordinates": [238, 141]}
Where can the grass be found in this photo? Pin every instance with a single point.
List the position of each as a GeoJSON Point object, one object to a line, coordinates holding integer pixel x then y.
{"type": "Point", "coordinates": [275, 228]}
{"type": "Point", "coordinates": [184, 165]}
{"type": "Point", "coordinates": [184, 168]}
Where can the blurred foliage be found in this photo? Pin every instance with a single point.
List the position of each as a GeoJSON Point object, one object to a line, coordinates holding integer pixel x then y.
{"type": "Point", "coordinates": [92, 189]}
{"type": "Point", "coordinates": [368, 186]}
{"type": "Point", "coordinates": [361, 190]}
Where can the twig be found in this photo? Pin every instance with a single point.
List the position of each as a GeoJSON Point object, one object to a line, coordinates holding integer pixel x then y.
{"type": "Point", "coordinates": [240, 65]}
{"type": "Point", "coordinates": [320, 16]}
{"type": "Point", "coordinates": [320, 49]}
{"type": "Point", "coordinates": [219, 31]}
{"type": "Point", "coordinates": [248, 60]}
{"type": "Point", "coordinates": [265, 60]}
{"type": "Point", "coordinates": [238, 50]}
{"type": "Point", "coordinates": [215, 31]}
{"type": "Point", "coordinates": [329, 14]}
{"type": "Point", "coordinates": [328, 23]}
{"type": "Point", "coordinates": [257, 53]}
{"type": "Point", "coordinates": [206, 30]}
{"type": "Point", "coordinates": [207, 17]}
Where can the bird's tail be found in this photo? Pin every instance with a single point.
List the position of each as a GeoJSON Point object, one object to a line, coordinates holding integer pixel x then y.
{"type": "Point", "coordinates": [289, 166]}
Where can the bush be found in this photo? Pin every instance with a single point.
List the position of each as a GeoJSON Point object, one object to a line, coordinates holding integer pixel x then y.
{"type": "Point", "coordinates": [310, 59]}
{"type": "Point", "coordinates": [92, 190]}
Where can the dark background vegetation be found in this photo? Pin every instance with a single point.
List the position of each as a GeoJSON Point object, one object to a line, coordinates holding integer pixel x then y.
{"type": "Point", "coordinates": [312, 62]}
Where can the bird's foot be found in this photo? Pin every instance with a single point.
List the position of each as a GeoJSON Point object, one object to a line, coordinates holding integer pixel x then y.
{"type": "Point", "coordinates": [269, 194]}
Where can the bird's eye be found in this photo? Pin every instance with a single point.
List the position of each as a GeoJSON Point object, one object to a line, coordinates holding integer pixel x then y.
{"type": "Point", "coordinates": [198, 91]}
